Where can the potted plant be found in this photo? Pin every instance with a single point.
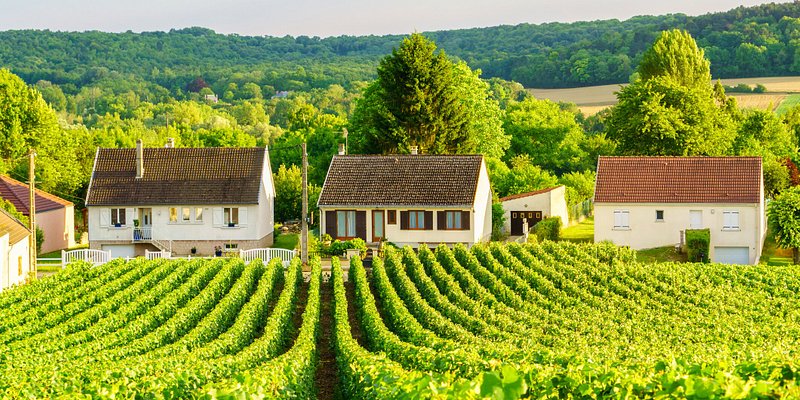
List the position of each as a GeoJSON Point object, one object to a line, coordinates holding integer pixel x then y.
{"type": "Point", "coordinates": [231, 224]}
{"type": "Point", "coordinates": [194, 250]}
{"type": "Point", "coordinates": [218, 251]}
{"type": "Point", "coordinates": [137, 232]}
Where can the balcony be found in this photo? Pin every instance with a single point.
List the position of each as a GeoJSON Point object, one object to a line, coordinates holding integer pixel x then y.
{"type": "Point", "coordinates": [143, 234]}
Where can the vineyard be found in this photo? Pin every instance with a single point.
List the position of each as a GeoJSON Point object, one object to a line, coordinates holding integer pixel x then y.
{"type": "Point", "coordinates": [548, 320]}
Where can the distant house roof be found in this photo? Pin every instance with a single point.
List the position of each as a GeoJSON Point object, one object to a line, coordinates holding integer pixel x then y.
{"type": "Point", "coordinates": [528, 194]}
{"type": "Point", "coordinates": [18, 194]}
{"type": "Point", "coordinates": [179, 176]}
{"type": "Point", "coordinates": [401, 180]}
{"type": "Point", "coordinates": [678, 180]}
{"type": "Point", "coordinates": [16, 230]}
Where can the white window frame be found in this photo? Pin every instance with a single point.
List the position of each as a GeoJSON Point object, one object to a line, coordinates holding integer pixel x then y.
{"type": "Point", "coordinates": [115, 215]}
{"type": "Point", "coordinates": [230, 215]}
{"type": "Point", "coordinates": [622, 219]}
{"type": "Point", "coordinates": [731, 220]}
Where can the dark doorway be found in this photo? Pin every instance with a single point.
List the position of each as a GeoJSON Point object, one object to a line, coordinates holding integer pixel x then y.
{"type": "Point", "coordinates": [517, 218]}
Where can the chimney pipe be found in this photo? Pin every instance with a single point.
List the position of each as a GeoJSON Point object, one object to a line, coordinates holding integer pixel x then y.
{"type": "Point", "coordinates": [414, 150]}
{"type": "Point", "coordinates": [341, 149]}
{"type": "Point", "coordinates": [170, 143]}
{"type": "Point", "coordinates": [139, 159]}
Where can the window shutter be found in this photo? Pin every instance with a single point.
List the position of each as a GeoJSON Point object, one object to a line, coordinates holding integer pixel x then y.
{"type": "Point", "coordinates": [242, 216]}
{"type": "Point", "coordinates": [217, 216]}
{"type": "Point", "coordinates": [441, 220]}
{"type": "Point", "coordinates": [129, 217]}
{"type": "Point", "coordinates": [361, 224]}
{"type": "Point", "coordinates": [403, 219]}
{"type": "Point", "coordinates": [428, 220]}
{"type": "Point", "coordinates": [617, 219]}
{"type": "Point", "coordinates": [330, 223]}
{"type": "Point", "coordinates": [625, 219]}
{"type": "Point", "coordinates": [465, 220]}
{"type": "Point", "coordinates": [105, 217]}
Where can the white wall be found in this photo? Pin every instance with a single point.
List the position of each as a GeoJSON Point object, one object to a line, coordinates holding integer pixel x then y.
{"type": "Point", "coordinates": [645, 232]}
{"type": "Point", "coordinates": [59, 228]}
{"type": "Point", "coordinates": [252, 226]}
{"type": "Point", "coordinates": [483, 207]}
{"type": "Point", "coordinates": [11, 253]}
{"type": "Point", "coordinates": [551, 204]}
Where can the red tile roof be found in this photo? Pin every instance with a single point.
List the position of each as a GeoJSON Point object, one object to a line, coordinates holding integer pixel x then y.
{"type": "Point", "coordinates": [678, 180]}
{"type": "Point", "coordinates": [17, 193]}
{"type": "Point", "coordinates": [401, 180]}
{"type": "Point", "coordinates": [533, 193]}
{"type": "Point", "coordinates": [16, 230]}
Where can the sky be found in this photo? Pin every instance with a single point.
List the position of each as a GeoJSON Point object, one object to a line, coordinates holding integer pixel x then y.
{"type": "Point", "coordinates": [327, 17]}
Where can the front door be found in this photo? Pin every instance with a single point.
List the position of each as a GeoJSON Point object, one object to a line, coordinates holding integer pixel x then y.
{"type": "Point", "coordinates": [696, 219]}
{"type": "Point", "coordinates": [377, 226]}
{"type": "Point", "coordinates": [145, 232]}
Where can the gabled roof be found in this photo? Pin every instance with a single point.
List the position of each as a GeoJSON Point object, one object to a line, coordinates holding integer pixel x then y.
{"type": "Point", "coordinates": [528, 194]}
{"type": "Point", "coordinates": [678, 180]}
{"type": "Point", "coordinates": [401, 180]}
{"type": "Point", "coordinates": [16, 230]}
{"type": "Point", "coordinates": [18, 194]}
{"type": "Point", "coordinates": [178, 176]}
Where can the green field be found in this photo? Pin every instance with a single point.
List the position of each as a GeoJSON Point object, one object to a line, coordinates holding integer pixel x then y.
{"type": "Point", "coordinates": [548, 320]}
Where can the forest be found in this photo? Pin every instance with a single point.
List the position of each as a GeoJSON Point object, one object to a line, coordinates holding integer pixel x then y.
{"type": "Point", "coordinates": [65, 94]}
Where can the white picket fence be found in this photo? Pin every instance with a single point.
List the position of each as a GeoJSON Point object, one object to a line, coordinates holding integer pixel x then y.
{"type": "Point", "coordinates": [95, 257]}
{"type": "Point", "coordinates": [152, 255]}
{"type": "Point", "coordinates": [267, 254]}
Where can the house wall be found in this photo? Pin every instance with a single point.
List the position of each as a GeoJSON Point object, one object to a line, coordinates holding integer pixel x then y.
{"type": "Point", "coordinates": [482, 207]}
{"type": "Point", "coordinates": [645, 232]}
{"type": "Point", "coordinates": [254, 230]}
{"type": "Point", "coordinates": [551, 204]}
{"type": "Point", "coordinates": [59, 228]}
{"type": "Point", "coordinates": [12, 255]}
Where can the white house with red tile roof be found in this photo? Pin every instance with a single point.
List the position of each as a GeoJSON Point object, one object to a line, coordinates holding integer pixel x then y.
{"type": "Point", "coordinates": [15, 263]}
{"type": "Point", "coordinates": [54, 215]}
{"type": "Point", "coordinates": [647, 202]}
{"type": "Point", "coordinates": [534, 207]}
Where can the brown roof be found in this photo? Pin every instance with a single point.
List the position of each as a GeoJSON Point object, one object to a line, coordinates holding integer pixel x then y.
{"type": "Point", "coordinates": [16, 230]}
{"type": "Point", "coordinates": [401, 180]}
{"type": "Point", "coordinates": [678, 180]}
{"type": "Point", "coordinates": [229, 175]}
{"type": "Point", "coordinates": [533, 193]}
{"type": "Point", "coordinates": [16, 192]}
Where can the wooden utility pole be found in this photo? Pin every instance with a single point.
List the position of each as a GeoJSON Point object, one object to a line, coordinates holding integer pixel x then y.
{"type": "Point", "coordinates": [32, 208]}
{"type": "Point", "coordinates": [304, 223]}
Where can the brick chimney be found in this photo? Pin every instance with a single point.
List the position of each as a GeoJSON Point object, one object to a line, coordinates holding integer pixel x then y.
{"type": "Point", "coordinates": [139, 159]}
{"type": "Point", "coordinates": [414, 150]}
{"type": "Point", "coordinates": [341, 149]}
{"type": "Point", "coordinates": [170, 143]}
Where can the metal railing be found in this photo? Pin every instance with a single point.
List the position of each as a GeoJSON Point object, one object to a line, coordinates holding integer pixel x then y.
{"type": "Point", "coordinates": [142, 233]}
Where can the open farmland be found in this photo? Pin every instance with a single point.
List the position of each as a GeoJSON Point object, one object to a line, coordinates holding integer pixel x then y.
{"type": "Point", "coordinates": [593, 99]}
{"type": "Point", "coordinates": [549, 320]}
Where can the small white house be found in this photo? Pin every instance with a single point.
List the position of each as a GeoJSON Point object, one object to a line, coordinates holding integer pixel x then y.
{"type": "Point", "coordinates": [647, 202]}
{"type": "Point", "coordinates": [407, 199]}
{"type": "Point", "coordinates": [14, 251]}
{"type": "Point", "coordinates": [177, 199]}
{"type": "Point", "coordinates": [534, 207]}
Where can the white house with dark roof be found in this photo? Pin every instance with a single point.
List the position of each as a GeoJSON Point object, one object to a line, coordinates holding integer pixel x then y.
{"type": "Point", "coordinates": [647, 202]}
{"type": "Point", "coordinates": [176, 199]}
{"type": "Point", "coordinates": [407, 199]}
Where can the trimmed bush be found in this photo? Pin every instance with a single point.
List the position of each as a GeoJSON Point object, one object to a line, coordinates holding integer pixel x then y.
{"type": "Point", "coordinates": [548, 229]}
{"type": "Point", "coordinates": [697, 244]}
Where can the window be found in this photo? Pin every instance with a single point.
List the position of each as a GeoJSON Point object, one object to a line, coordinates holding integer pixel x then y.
{"type": "Point", "coordinates": [391, 217]}
{"type": "Point", "coordinates": [198, 214]}
{"type": "Point", "coordinates": [416, 220]}
{"type": "Point", "coordinates": [231, 216]}
{"type": "Point", "coordinates": [621, 219]}
{"type": "Point", "coordinates": [730, 220]}
{"type": "Point", "coordinates": [173, 214]}
{"type": "Point", "coordinates": [345, 224]}
{"type": "Point", "coordinates": [231, 246]}
{"type": "Point", "coordinates": [659, 215]}
{"type": "Point", "coordinates": [118, 216]}
{"type": "Point", "coordinates": [186, 214]}
{"type": "Point", "coordinates": [453, 220]}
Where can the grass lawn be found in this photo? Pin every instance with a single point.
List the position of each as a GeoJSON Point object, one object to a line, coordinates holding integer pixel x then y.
{"type": "Point", "coordinates": [772, 254]}
{"type": "Point", "coordinates": [582, 232]}
{"type": "Point", "coordinates": [659, 255]}
{"type": "Point", "coordinates": [787, 103]}
{"type": "Point", "coordinates": [287, 241]}
{"type": "Point", "coordinates": [57, 253]}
